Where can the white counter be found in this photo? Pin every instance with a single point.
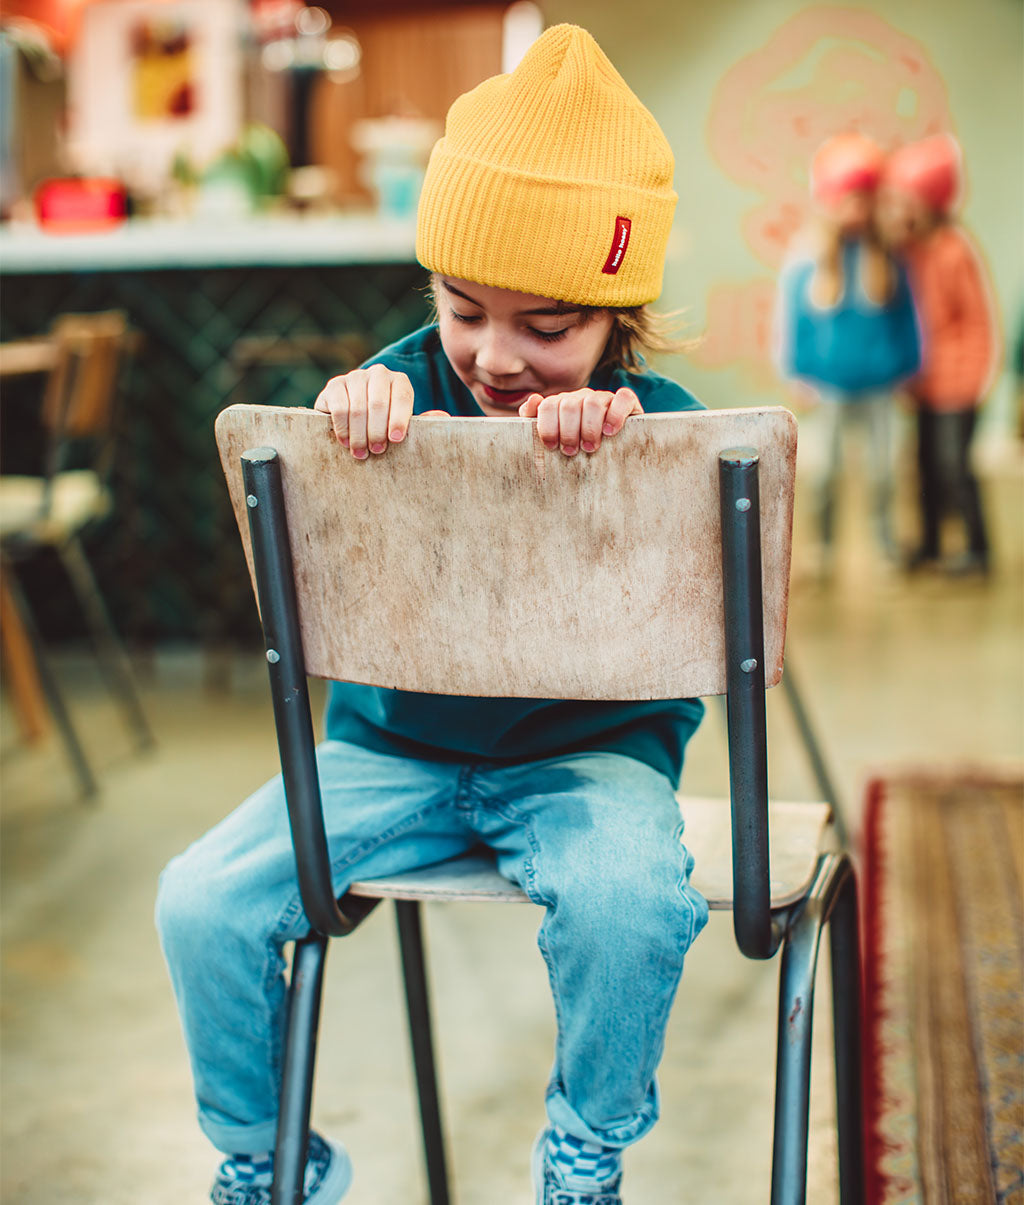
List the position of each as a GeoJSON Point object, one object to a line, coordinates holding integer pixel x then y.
{"type": "Point", "coordinates": [199, 243]}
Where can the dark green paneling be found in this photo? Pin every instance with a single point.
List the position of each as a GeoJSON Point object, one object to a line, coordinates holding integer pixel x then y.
{"type": "Point", "coordinates": [171, 564]}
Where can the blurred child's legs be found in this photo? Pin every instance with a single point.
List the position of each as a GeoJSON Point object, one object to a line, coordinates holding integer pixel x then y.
{"type": "Point", "coordinates": [871, 416]}
{"type": "Point", "coordinates": [593, 837]}
{"type": "Point", "coordinates": [947, 481]}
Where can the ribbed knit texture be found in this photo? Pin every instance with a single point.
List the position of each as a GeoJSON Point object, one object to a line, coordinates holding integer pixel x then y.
{"type": "Point", "coordinates": [535, 169]}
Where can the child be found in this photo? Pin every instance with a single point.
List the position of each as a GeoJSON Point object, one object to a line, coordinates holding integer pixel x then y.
{"type": "Point", "coordinates": [544, 219]}
{"type": "Point", "coordinates": [919, 189]}
{"type": "Point", "coordinates": [847, 321]}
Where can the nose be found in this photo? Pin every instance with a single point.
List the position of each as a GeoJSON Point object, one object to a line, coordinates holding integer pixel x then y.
{"type": "Point", "coordinates": [497, 354]}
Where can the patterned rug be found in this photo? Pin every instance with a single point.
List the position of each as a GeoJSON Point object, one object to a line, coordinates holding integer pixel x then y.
{"type": "Point", "coordinates": [943, 896]}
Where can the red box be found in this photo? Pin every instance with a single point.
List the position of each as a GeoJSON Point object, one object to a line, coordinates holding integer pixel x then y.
{"type": "Point", "coordinates": [80, 206]}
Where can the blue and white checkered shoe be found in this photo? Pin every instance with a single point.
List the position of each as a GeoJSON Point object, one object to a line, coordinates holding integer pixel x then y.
{"type": "Point", "coordinates": [328, 1176]}
{"type": "Point", "coordinates": [552, 1188]}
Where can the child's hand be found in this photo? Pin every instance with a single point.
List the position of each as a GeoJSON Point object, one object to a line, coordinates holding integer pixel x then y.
{"type": "Point", "coordinates": [369, 407]}
{"type": "Point", "coordinates": [571, 421]}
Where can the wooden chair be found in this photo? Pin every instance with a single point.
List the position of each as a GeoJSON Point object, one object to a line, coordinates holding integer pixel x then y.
{"type": "Point", "coordinates": [51, 510]}
{"type": "Point", "coordinates": [682, 521]}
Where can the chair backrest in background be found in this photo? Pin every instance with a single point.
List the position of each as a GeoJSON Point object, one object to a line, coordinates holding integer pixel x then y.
{"type": "Point", "coordinates": [470, 560]}
{"type": "Point", "coordinates": [81, 387]}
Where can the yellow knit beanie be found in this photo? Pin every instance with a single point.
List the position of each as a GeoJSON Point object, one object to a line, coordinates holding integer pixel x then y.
{"type": "Point", "coordinates": [552, 180]}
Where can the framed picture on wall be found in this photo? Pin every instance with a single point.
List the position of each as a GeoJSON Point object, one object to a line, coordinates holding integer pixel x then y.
{"type": "Point", "coordinates": [149, 80]}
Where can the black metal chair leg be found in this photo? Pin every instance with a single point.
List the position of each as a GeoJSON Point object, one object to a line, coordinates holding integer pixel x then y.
{"type": "Point", "coordinates": [297, 1070]}
{"type": "Point", "coordinates": [830, 890]}
{"type": "Point", "coordinates": [113, 659]}
{"type": "Point", "coordinates": [844, 937]}
{"type": "Point", "coordinates": [51, 688]}
{"type": "Point", "coordinates": [410, 937]}
{"type": "Point", "coordinates": [793, 1062]}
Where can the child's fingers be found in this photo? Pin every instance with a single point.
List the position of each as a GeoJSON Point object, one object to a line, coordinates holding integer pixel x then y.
{"type": "Point", "coordinates": [368, 407]}
{"type": "Point", "coordinates": [570, 415]}
{"type": "Point", "coordinates": [333, 400]}
{"type": "Point", "coordinates": [623, 404]}
{"type": "Point", "coordinates": [595, 407]}
{"type": "Point", "coordinates": [402, 399]}
{"type": "Point", "coordinates": [546, 413]}
{"type": "Point", "coordinates": [378, 408]}
{"type": "Point", "coordinates": [571, 421]}
{"type": "Point", "coordinates": [357, 386]}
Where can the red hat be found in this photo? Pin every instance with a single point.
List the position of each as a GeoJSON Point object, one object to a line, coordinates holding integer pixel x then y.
{"type": "Point", "coordinates": [846, 163]}
{"type": "Point", "coordinates": [929, 169]}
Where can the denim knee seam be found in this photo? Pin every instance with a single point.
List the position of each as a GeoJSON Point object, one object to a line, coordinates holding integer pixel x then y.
{"type": "Point", "coordinates": [272, 974]}
{"type": "Point", "coordinates": [698, 916]}
{"type": "Point", "coordinates": [380, 839]}
{"type": "Point", "coordinates": [501, 806]}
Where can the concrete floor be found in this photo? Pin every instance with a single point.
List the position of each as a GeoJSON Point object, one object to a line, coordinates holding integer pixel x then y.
{"type": "Point", "coordinates": [96, 1100]}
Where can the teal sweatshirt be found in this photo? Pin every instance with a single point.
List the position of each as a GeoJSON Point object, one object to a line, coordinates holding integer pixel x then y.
{"type": "Point", "coordinates": [455, 728]}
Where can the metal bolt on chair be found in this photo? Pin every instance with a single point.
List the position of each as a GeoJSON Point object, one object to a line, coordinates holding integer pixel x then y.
{"type": "Point", "coordinates": [695, 515]}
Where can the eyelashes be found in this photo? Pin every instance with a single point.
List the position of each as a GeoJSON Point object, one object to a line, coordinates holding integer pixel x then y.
{"type": "Point", "coordinates": [543, 336]}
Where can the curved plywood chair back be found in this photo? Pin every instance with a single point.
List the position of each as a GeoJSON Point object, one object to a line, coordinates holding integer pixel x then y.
{"type": "Point", "coordinates": [469, 560]}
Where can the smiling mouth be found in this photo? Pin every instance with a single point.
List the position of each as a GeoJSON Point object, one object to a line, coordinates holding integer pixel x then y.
{"type": "Point", "coordinates": [506, 397]}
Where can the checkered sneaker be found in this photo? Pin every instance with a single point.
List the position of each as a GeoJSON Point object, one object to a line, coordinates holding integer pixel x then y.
{"type": "Point", "coordinates": [242, 1180]}
{"type": "Point", "coordinates": [563, 1165]}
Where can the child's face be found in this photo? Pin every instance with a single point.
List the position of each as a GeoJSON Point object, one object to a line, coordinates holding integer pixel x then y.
{"type": "Point", "coordinates": [504, 346]}
{"type": "Point", "coordinates": [851, 212]}
{"type": "Point", "coordinates": [902, 217]}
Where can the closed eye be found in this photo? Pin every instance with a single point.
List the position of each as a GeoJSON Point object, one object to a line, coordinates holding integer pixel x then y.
{"type": "Point", "coordinates": [544, 336]}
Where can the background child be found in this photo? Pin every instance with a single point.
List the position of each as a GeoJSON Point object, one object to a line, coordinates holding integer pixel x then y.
{"type": "Point", "coordinates": [920, 188]}
{"type": "Point", "coordinates": [846, 321]}
{"type": "Point", "coordinates": [544, 219]}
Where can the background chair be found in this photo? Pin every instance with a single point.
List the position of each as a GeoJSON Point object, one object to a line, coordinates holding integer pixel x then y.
{"type": "Point", "coordinates": [263, 366]}
{"type": "Point", "coordinates": [684, 505]}
{"type": "Point", "coordinates": [51, 510]}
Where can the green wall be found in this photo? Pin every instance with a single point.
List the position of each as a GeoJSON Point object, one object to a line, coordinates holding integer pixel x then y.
{"type": "Point", "coordinates": [745, 88]}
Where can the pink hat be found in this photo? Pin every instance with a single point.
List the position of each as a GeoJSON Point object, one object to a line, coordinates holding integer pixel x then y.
{"type": "Point", "coordinates": [929, 169]}
{"type": "Point", "coordinates": [845, 163]}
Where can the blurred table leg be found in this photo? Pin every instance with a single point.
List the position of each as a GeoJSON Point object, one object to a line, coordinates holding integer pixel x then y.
{"type": "Point", "coordinates": [16, 652]}
{"type": "Point", "coordinates": [20, 669]}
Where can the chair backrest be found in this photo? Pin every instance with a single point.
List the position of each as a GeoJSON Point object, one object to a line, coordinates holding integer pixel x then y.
{"type": "Point", "coordinates": [82, 385]}
{"type": "Point", "coordinates": [469, 560]}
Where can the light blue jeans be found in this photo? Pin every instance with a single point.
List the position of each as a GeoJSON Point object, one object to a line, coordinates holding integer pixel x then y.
{"type": "Point", "coordinates": [872, 414]}
{"type": "Point", "coordinates": [595, 838]}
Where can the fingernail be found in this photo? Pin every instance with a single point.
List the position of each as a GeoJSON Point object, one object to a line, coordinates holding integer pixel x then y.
{"type": "Point", "coordinates": [360, 453]}
{"type": "Point", "coordinates": [376, 449]}
{"type": "Point", "coordinates": [396, 437]}
{"type": "Point", "coordinates": [550, 444]}
{"type": "Point", "coordinates": [343, 441]}
{"type": "Point", "coordinates": [608, 429]}
{"type": "Point", "coordinates": [569, 451]}
{"type": "Point", "coordinates": [588, 446]}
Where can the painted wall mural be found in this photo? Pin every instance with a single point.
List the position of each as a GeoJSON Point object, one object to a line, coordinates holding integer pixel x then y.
{"type": "Point", "coordinates": [824, 71]}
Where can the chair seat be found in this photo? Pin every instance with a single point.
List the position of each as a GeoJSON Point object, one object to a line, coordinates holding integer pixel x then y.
{"type": "Point", "coordinates": [77, 497]}
{"type": "Point", "coordinates": [797, 831]}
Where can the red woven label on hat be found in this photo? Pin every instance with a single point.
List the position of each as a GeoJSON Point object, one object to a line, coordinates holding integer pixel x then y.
{"type": "Point", "coordinates": [619, 244]}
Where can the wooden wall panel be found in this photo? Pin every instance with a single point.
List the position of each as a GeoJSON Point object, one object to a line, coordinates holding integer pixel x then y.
{"type": "Point", "coordinates": [414, 65]}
